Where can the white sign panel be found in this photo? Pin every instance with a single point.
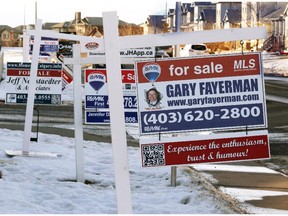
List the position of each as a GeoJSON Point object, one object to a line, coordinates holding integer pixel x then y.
{"type": "Point", "coordinates": [48, 83]}
{"type": "Point", "coordinates": [203, 93]}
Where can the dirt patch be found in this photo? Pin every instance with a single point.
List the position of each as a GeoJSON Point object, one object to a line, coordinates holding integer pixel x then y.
{"type": "Point", "coordinates": [278, 163]}
{"type": "Point", "coordinates": [229, 201]}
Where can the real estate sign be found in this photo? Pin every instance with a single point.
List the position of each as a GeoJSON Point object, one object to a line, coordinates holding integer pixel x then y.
{"type": "Point", "coordinates": [48, 83]}
{"type": "Point", "coordinates": [205, 148]}
{"type": "Point", "coordinates": [47, 44]}
{"type": "Point", "coordinates": [201, 93]}
{"type": "Point", "coordinates": [96, 96]}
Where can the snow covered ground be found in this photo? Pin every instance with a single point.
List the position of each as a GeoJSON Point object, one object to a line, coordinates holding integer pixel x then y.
{"type": "Point", "coordinates": [47, 184]}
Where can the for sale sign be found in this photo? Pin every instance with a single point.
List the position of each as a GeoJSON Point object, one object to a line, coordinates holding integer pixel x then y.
{"type": "Point", "coordinates": [96, 96]}
{"type": "Point", "coordinates": [46, 44]}
{"type": "Point", "coordinates": [201, 93]}
{"type": "Point", "coordinates": [205, 149]}
{"type": "Point", "coordinates": [48, 83]}
{"type": "Point", "coordinates": [96, 89]}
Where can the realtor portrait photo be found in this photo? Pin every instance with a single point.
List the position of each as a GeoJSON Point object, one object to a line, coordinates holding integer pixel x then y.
{"type": "Point", "coordinates": [153, 98]}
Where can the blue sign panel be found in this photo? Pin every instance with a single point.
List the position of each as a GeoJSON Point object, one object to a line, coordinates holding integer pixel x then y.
{"type": "Point", "coordinates": [202, 118]}
{"type": "Point", "coordinates": [96, 101]}
{"type": "Point", "coordinates": [45, 48]}
{"type": "Point", "coordinates": [101, 101]}
{"type": "Point", "coordinates": [104, 117]}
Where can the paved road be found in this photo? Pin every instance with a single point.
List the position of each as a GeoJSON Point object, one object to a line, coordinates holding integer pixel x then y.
{"type": "Point", "coordinates": [263, 180]}
{"type": "Point", "coordinates": [54, 120]}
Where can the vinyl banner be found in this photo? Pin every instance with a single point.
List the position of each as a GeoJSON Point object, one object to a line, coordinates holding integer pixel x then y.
{"type": "Point", "coordinates": [205, 149]}
{"type": "Point", "coordinates": [201, 93]}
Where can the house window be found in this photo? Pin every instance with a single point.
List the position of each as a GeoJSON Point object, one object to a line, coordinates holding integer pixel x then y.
{"type": "Point", "coordinates": [6, 36]}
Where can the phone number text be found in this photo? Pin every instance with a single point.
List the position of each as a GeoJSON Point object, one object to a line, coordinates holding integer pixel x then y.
{"type": "Point", "coordinates": [202, 118]}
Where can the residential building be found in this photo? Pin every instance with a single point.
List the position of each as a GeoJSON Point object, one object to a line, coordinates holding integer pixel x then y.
{"type": "Point", "coordinates": [187, 22]}
{"type": "Point", "coordinates": [206, 20]}
{"type": "Point", "coordinates": [218, 15]}
{"type": "Point", "coordinates": [93, 26]}
{"type": "Point", "coordinates": [9, 36]}
{"type": "Point", "coordinates": [277, 28]}
{"type": "Point", "coordinates": [195, 16]}
{"type": "Point", "coordinates": [155, 24]}
{"type": "Point", "coordinates": [199, 7]}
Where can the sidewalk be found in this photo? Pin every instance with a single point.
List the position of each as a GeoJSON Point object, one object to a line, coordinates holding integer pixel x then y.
{"type": "Point", "coordinates": [236, 176]}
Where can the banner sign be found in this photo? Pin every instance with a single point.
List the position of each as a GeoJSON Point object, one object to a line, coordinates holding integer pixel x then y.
{"type": "Point", "coordinates": [205, 149]}
{"type": "Point", "coordinates": [103, 117]}
{"type": "Point", "coordinates": [201, 93]}
{"type": "Point", "coordinates": [96, 91]}
{"type": "Point", "coordinates": [48, 83]}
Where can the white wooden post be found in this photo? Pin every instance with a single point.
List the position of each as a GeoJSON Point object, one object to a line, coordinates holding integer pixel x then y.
{"type": "Point", "coordinates": [26, 46]}
{"type": "Point", "coordinates": [117, 119]}
{"type": "Point", "coordinates": [78, 114]}
{"type": "Point", "coordinates": [32, 90]}
{"type": "Point", "coordinates": [176, 54]}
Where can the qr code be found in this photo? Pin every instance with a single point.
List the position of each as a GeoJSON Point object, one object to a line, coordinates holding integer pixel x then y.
{"type": "Point", "coordinates": [56, 99]}
{"type": "Point", "coordinates": [153, 155]}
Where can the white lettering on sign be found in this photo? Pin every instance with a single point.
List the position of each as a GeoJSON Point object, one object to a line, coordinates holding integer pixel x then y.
{"type": "Point", "coordinates": [178, 71]}
{"type": "Point", "coordinates": [241, 64]}
{"type": "Point", "coordinates": [209, 68]}
{"type": "Point", "coordinates": [129, 76]}
{"type": "Point", "coordinates": [198, 69]}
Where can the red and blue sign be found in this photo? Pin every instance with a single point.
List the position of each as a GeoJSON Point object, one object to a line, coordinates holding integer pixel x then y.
{"type": "Point", "coordinates": [46, 44]}
{"type": "Point", "coordinates": [96, 80]}
{"type": "Point", "coordinates": [96, 96]}
{"type": "Point", "coordinates": [96, 90]}
{"type": "Point", "coordinates": [201, 93]}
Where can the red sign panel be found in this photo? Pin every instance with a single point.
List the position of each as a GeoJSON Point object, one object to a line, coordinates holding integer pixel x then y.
{"type": "Point", "coordinates": [211, 148]}
{"type": "Point", "coordinates": [206, 67]}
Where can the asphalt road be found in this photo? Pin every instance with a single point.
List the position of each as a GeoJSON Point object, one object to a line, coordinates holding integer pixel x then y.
{"type": "Point", "coordinates": [54, 120]}
{"type": "Point", "coordinates": [273, 182]}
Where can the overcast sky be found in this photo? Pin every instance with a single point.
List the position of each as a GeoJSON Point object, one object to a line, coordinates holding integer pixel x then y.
{"type": "Point", "coordinates": [19, 12]}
